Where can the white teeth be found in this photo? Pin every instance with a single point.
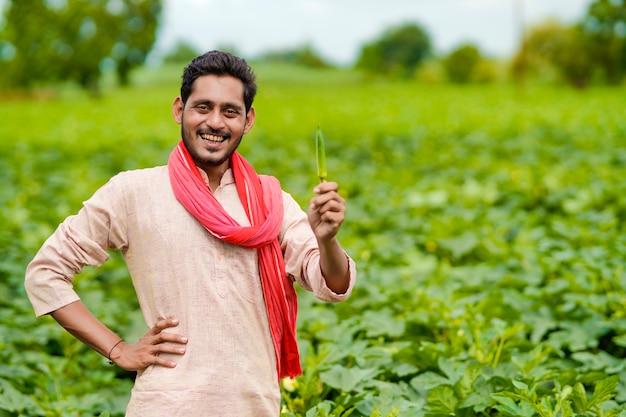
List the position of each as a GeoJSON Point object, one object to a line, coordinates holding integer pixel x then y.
{"type": "Point", "coordinates": [212, 138]}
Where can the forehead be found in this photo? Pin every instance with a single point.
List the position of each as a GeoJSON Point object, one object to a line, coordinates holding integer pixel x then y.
{"type": "Point", "coordinates": [217, 88]}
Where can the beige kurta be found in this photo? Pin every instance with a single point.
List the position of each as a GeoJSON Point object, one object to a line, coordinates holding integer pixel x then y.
{"type": "Point", "coordinates": [180, 270]}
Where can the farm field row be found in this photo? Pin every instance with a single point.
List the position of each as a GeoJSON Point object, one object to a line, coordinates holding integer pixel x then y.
{"type": "Point", "coordinates": [487, 223]}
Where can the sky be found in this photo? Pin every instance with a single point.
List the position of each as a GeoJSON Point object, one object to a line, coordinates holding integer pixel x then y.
{"type": "Point", "coordinates": [337, 29]}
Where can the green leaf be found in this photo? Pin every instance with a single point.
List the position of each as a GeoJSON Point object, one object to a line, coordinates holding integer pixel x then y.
{"type": "Point", "coordinates": [520, 385]}
{"type": "Point", "coordinates": [13, 400]}
{"type": "Point", "coordinates": [604, 391]}
{"type": "Point", "coordinates": [403, 369]}
{"type": "Point", "coordinates": [381, 323]}
{"type": "Point", "coordinates": [579, 398]}
{"type": "Point", "coordinates": [347, 379]}
{"type": "Point", "coordinates": [429, 380]}
{"type": "Point", "coordinates": [445, 365]}
{"type": "Point", "coordinates": [442, 400]}
{"type": "Point", "coordinates": [322, 409]}
{"type": "Point", "coordinates": [563, 406]}
{"type": "Point", "coordinates": [596, 361]}
{"type": "Point", "coordinates": [509, 407]}
{"type": "Point", "coordinates": [479, 399]}
{"type": "Point", "coordinates": [461, 245]}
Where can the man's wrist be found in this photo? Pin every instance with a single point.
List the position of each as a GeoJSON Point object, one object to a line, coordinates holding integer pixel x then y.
{"type": "Point", "coordinates": [110, 361]}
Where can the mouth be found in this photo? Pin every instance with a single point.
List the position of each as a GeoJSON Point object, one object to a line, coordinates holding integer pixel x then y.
{"type": "Point", "coordinates": [213, 138]}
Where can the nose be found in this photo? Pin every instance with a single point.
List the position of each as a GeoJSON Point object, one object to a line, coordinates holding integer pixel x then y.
{"type": "Point", "coordinates": [215, 120]}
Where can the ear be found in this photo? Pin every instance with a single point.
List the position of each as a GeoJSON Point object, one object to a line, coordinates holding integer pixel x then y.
{"type": "Point", "coordinates": [177, 110]}
{"type": "Point", "coordinates": [250, 117]}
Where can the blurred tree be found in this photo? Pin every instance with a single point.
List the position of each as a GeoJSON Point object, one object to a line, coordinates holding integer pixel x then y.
{"type": "Point", "coordinates": [398, 52]}
{"type": "Point", "coordinates": [551, 49]}
{"type": "Point", "coordinates": [182, 52]}
{"type": "Point", "coordinates": [305, 56]}
{"type": "Point", "coordinates": [461, 63]}
{"type": "Point", "coordinates": [135, 22]}
{"type": "Point", "coordinates": [605, 25]}
{"type": "Point", "coordinates": [431, 71]}
{"type": "Point", "coordinates": [574, 57]}
{"type": "Point", "coordinates": [308, 57]}
{"type": "Point", "coordinates": [73, 39]}
{"type": "Point", "coordinates": [82, 41]}
{"type": "Point", "coordinates": [28, 35]}
{"type": "Point", "coordinates": [486, 71]}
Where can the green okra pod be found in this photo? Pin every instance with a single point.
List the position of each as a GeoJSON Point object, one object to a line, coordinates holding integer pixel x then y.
{"type": "Point", "coordinates": [321, 155]}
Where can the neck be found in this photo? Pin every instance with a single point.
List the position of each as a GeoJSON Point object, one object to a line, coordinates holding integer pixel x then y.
{"type": "Point", "coordinates": [213, 176]}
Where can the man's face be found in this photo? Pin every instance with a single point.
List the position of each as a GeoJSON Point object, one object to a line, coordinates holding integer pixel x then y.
{"type": "Point", "coordinates": [213, 120]}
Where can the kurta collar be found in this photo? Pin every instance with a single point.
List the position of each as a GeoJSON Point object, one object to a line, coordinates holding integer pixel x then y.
{"type": "Point", "coordinates": [227, 178]}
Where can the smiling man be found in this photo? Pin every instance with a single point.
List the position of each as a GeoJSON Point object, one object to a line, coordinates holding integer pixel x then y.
{"type": "Point", "coordinates": [213, 250]}
{"type": "Point", "coordinates": [213, 122]}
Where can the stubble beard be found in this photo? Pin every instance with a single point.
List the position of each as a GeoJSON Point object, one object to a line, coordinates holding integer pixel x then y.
{"type": "Point", "coordinates": [204, 162]}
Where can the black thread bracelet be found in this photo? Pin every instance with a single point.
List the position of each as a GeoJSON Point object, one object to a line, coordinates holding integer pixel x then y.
{"type": "Point", "coordinates": [111, 351]}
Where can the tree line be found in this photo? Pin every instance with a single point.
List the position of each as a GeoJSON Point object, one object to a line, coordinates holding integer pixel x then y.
{"type": "Point", "coordinates": [590, 51]}
{"type": "Point", "coordinates": [46, 41]}
{"type": "Point", "coordinates": [76, 40]}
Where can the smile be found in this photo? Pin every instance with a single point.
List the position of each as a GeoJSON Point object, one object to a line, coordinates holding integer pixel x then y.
{"type": "Point", "coordinates": [213, 138]}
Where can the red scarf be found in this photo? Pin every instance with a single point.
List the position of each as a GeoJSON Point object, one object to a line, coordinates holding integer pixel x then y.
{"type": "Point", "coordinates": [262, 200]}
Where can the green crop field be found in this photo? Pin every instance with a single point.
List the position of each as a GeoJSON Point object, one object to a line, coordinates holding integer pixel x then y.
{"type": "Point", "coordinates": [487, 223]}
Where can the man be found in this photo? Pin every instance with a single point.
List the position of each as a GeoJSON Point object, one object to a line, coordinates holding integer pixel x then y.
{"type": "Point", "coordinates": [213, 250]}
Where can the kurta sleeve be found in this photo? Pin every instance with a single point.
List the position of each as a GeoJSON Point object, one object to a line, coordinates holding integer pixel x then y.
{"type": "Point", "coordinates": [82, 239]}
{"type": "Point", "coordinates": [302, 256]}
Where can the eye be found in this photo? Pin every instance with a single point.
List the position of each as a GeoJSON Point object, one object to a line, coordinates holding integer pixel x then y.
{"type": "Point", "coordinates": [231, 112]}
{"type": "Point", "coordinates": [202, 108]}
